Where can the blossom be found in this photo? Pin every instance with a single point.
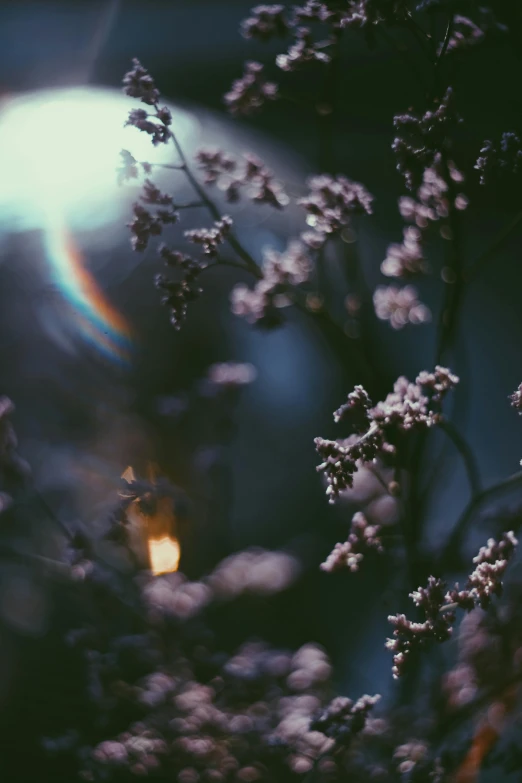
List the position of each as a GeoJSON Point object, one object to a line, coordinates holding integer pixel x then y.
{"type": "Point", "coordinates": [438, 604]}
{"type": "Point", "coordinates": [355, 409]}
{"type": "Point", "coordinates": [235, 175]}
{"type": "Point", "coordinates": [362, 538]}
{"type": "Point", "coordinates": [516, 399]}
{"type": "Point", "coordinates": [265, 22]}
{"type": "Point", "coordinates": [211, 238]}
{"type": "Point", "coordinates": [406, 259]}
{"type": "Point", "coordinates": [280, 270]}
{"type": "Point", "coordinates": [249, 93]}
{"type": "Point", "coordinates": [178, 293]}
{"type": "Point", "coordinates": [399, 306]}
{"type": "Point", "coordinates": [420, 138]}
{"type": "Point", "coordinates": [409, 406]}
{"type": "Point", "coordinates": [333, 201]}
{"type": "Point", "coordinates": [138, 83]}
{"type": "Point", "coordinates": [231, 374]}
{"type": "Point", "coordinates": [304, 50]}
{"type": "Point", "coordinates": [342, 719]}
{"type": "Point", "coordinates": [506, 158]}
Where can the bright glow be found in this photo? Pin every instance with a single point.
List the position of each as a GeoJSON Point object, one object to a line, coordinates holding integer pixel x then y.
{"type": "Point", "coordinates": [164, 554]}
{"type": "Point", "coordinates": [59, 149]}
{"type": "Point", "coordinates": [59, 154]}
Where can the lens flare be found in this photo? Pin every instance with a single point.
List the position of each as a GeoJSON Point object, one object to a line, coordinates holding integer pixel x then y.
{"type": "Point", "coordinates": [97, 320]}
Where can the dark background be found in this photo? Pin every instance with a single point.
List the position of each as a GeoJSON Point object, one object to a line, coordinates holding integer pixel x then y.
{"type": "Point", "coordinates": [264, 487]}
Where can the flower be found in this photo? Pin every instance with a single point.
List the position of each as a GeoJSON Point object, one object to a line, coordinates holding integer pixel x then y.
{"type": "Point", "coordinates": [266, 22]}
{"type": "Point", "coordinates": [406, 259]}
{"type": "Point", "coordinates": [138, 83]}
{"type": "Point", "coordinates": [211, 238]}
{"type": "Point", "coordinates": [333, 201]}
{"type": "Point", "coordinates": [399, 306]}
{"type": "Point", "coordinates": [280, 270]}
{"type": "Point", "coordinates": [249, 93]}
{"type": "Point", "coordinates": [362, 538]}
{"type": "Point", "coordinates": [422, 137]}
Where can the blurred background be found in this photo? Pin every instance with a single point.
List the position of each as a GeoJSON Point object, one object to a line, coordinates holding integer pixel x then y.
{"type": "Point", "coordinates": [88, 407]}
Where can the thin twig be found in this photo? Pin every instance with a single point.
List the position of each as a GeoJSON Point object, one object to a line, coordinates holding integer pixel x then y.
{"type": "Point", "coordinates": [466, 453]}
{"type": "Point", "coordinates": [451, 548]}
{"type": "Point", "coordinates": [209, 204]}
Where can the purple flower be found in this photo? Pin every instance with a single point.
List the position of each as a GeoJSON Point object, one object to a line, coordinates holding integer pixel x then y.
{"type": "Point", "coordinates": [399, 306]}
{"type": "Point", "coordinates": [251, 91]}
{"type": "Point", "coordinates": [333, 201]}
{"type": "Point", "coordinates": [266, 22]}
{"type": "Point", "coordinates": [138, 83]}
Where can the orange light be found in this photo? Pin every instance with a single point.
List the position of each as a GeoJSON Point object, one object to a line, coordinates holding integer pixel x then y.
{"type": "Point", "coordinates": [151, 535]}
{"type": "Point", "coordinates": [164, 554]}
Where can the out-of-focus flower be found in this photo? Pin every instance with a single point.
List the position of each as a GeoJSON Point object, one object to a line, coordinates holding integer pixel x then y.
{"type": "Point", "coordinates": [265, 22]}
{"type": "Point", "coordinates": [400, 306]}
{"type": "Point", "coordinates": [406, 259]}
{"type": "Point", "coordinates": [255, 571]}
{"type": "Point", "coordinates": [211, 238]}
{"type": "Point", "coordinates": [280, 271]}
{"type": "Point", "coordinates": [249, 93]}
{"type": "Point", "coordinates": [234, 176]}
{"type": "Point", "coordinates": [231, 374]}
{"type": "Point", "coordinates": [333, 201]}
{"type": "Point", "coordinates": [506, 158]}
{"type": "Point", "coordinates": [304, 50]}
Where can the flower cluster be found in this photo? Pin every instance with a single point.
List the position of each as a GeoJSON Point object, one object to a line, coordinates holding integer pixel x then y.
{"type": "Point", "coordinates": [399, 306]}
{"type": "Point", "coordinates": [178, 293]}
{"type": "Point", "coordinates": [516, 399]}
{"type": "Point", "coordinates": [367, 13]}
{"type": "Point", "coordinates": [266, 22]}
{"type": "Point", "coordinates": [331, 204]}
{"type": "Point", "coordinates": [409, 406]}
{"type": "Point", "coordinates": [303, 51]}
{"type": "Point", "coordinates": [362, 538]}
{"type": "Point", "coordinates": [406, 259]}
{"type": "Point", "coordinates": [233, 176]}
{"type": "Point", "coordinates": [438, 604]}
{"type": "Point", "coordinates": [230, 375]}
{"type": "Point", "coordinates": [432, 203]}
{"type": "Point", "coordinates": [249, 93]}
{"type": "Point", "coordinates": [343, 718]}
{"type": "Point", "coordinates": [138, 83]}
{"type": "Point", "coordinates": [420, 138]}
{"type": "Point", "coordinates": [159, 131]}
{"type": "Point", "coordinates": [280, 270]}
{"type": "Point", "coordinates": [145, 224]}
{"type": "Point", "coordinates": [254, 571]}
{"type": "Point", "coordinates": [210, 238]}
{"type": "Point", "coordinates": [504, 158]}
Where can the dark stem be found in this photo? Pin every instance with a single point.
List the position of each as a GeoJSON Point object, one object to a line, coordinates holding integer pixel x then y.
{"type": "Point", "coordinates": [450, 552]}
{"type": "Point", "coordinates": [467, 455]}
{"type": "Point", "coordinates": [482, 260]}
{"type": "Point", "coordinates": [453, 281]}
